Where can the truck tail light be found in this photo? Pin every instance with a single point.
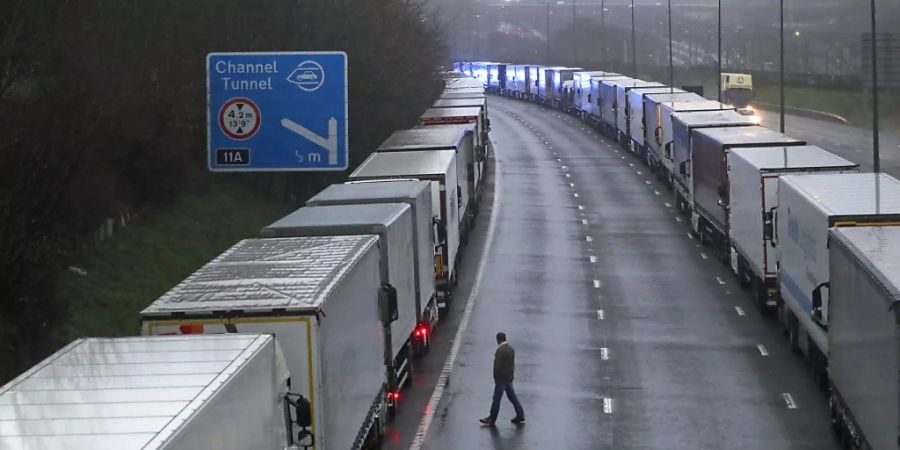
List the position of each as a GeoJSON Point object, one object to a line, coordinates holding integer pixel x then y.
{"type": "Point", "coordinates": [191, 328]}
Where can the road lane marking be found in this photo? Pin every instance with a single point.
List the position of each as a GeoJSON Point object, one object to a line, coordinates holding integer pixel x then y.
{"type": "Point", "coordinates": [589, 239]}
{"type": "Point", "coordinates": [584, 221]}
{"type": "Point", "coordinates": [444, 377]}
{"type": "Point", "coordinates": [593, 259]}
{"type": "Point", "coordinates": [668, 205]}
{"type": "Point", "coordinates": [597, 284]}
{"type": "Point", "coordinates": [703, 255]}
{"type": "Point", "coordinates": [571, 184]}
{"type": "Point", "coordinates": [576, 195]}
{"type": "Point", "coordinates": [656, 192]}
{"type": "Point", "coordinates": [607, 405]}
{"type": "Point", "coordinates": [789, 400]}
{"type": "Point", "coordinates": [580, 208]}
{"type": "Point", "coordinates": [721, 281]}
{"type": "Point", "coordinates": [689, 235]}
{"type": "Point", "coordinates": [677, 219]}
{"type": "Point", "coordinates": [604, 354]}
{"type": "Point", "coordinates": [762, 350]}
{"type": "Point", "coordinates": [568, 176]}
{"type": "Point", "coordinates": [600, 314]}
{"type": "Point", "coordinates": [739, 310]}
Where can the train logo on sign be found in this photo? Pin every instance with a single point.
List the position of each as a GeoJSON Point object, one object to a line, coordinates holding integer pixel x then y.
{"type": "Point", "coordinates": [277, 111]}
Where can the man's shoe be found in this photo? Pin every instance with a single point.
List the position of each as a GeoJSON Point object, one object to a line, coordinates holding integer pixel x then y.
{"type": "Point", "coordinates": [487, 421]}
{"type": "Point", "coordinates": [518, 419]}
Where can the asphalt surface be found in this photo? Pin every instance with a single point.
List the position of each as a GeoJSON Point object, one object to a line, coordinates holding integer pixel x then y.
{"type": "Point", "coordinates": [627, 334]}
{"type": "Point", "coordinates": [849, 142]}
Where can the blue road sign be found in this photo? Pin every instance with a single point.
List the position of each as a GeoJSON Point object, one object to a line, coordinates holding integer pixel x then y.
{"type": "Point", "coordinates": [278, 111]}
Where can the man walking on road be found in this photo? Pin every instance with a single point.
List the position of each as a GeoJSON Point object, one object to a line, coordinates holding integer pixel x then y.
{"type": "Point", "coordinates": [504, 368]}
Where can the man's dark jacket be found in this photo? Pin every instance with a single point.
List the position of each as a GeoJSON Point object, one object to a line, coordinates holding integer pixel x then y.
{"type": "Point", "coordinates": [504, 362]}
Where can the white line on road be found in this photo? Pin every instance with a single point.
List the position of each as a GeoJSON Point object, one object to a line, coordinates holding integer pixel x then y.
{"type": "Point", "coordinates": [721, 281]}
{"type": "Point", "coordinates": [677, 219]}
{"type": "Point", "coordinates": [690, 236]}
{"type": "Point", "coordinates": [597, 284]}
{"type": "Point", "coordinates": [607, 405]}
{"type": "Point", "coordinates": [589, 239]}
{"type": "Point", "coordinates": [571, 184]}
{"type": "Point", "coordinates": [580, 208]}
{"type": "Point", "coordinates": [703, 255]}
{"type": "Point", "coordinates": [444, 378]}
{"type": "Point", "coordinates": [645, 181]}
{"type": "Point", "coordinates": [568, 176]}
{"type": "Point", "coordinates": [593, 259]}
{"type": "Point", "coordinates": [604, 353]}
{"type": "Point", "coordinates": [789, 400]}
{"type": "Point", "coordinates": [584, 221]}
{"type": "Point", "coordinates": [600, 314]}
{"type": "Point", "coordinates": [656, 192]}
{"type": "Point", "coordinates": [631, 164]}
{"type": "Point", "coordinates": [762, 350]}
{"type": "Point", "coordinates": [575, 195]}
{"type": "Point", "coordinates": [668, 205]}
{"type": "Point", "coordinates": [739, 310]}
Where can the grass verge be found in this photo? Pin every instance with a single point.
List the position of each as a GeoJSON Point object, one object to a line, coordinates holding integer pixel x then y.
{"type": "Point", "coordinates": [154, 253]}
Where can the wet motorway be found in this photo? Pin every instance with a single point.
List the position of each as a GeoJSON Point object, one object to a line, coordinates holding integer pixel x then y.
{"type": "Point", "coordinates": [628, 335]}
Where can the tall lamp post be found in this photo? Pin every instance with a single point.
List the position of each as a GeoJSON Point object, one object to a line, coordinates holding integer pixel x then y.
{"type": "Point", "coordinates": [876, 164]}
{"type": "Point", "coordinates": [633, 44]}
{"type": "Point", "coordinates": [547, 51]}
{"type": "Point", "coordinates": [719, 57]}
{"type": "Point", "coordinates": [671, 64]}
{"type": "Point", "coordinates": [781, 70]}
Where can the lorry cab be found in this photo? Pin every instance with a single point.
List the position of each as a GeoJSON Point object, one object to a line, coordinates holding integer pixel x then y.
{"type": "Point", "coordinates": [737, 91]}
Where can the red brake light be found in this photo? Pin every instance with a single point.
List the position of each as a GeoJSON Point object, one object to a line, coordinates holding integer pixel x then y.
{"type": "Point", "coordinates": [191, 328]}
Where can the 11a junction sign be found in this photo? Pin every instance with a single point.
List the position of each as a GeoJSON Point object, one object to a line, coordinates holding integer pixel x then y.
{"type": "Point", "coordinates": [277, 111]}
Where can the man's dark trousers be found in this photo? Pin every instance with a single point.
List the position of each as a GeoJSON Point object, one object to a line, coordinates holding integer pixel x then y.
{"type": "Point", "coordinates": [499, 387]}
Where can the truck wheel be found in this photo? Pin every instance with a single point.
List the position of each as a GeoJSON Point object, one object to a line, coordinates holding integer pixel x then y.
{"type": "Point", "coordinates": [793, 332]}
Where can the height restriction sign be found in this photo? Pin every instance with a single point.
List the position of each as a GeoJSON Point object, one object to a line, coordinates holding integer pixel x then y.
{"type": "Point", "coordinates": [277, 111]}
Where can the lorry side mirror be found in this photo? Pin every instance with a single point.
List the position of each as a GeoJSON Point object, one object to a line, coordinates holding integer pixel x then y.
{"type": "Point", "coordinates": [769, 225]}
{"type": "Point", "coordinates": [441, 229]}
{"type": "Point", "coordinates": [817, 302]}
{"type": "Point", "coordinates": [387, 300]}
{"type": "Point", "coordinates": [301, 408]}
{"type": "Point", "coordinates": [488, 122]}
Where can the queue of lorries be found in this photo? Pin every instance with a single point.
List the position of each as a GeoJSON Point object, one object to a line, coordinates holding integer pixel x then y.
{"type": "Point", "coordinates": [301, 338]}
{"type": "Point", "coordinates": [815, 240]}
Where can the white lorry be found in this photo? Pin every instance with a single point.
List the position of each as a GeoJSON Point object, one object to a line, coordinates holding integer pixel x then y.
{"type": "Point", "coordinates": [392, 223]}
{"type": "Point", "coordinates": [581, 84]}
{"type": "Point", "coordinates": [416, 194]}
{"type": "Point", "coordinates": [438, 167]}
{"type": "Point", "coordinates": [636, 120]}
{"type": "Point", "coordinates": [683, 124]}
{"type": "Point", "coordinates": [469, 161]}
{"type": "Point", "coordinates": [864, 336]}
{"type": "Point", "coordinates": [753, 174]}
{"type": "Point", "coordinates": [323, 300]}
{"type": "Point", "coordinates": [808, 206]}
{"type": "Point", "coordinates": [654, 138]}
{"type": "Point", "coordinates": [623, 93]}
{"type": "Point", "coordinates": [224, 392]}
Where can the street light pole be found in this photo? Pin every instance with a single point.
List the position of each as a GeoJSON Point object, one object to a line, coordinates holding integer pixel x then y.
{"type": "Point", "coordinates": [547, 51]}
{"type": "Point", "coordinates": [574, 37]}
{"type": "Point", "coordinates": [719, 58]}
{"type": "Point", "coordinates": [876, 165]}
{"type": "Point", "coordinates": [781, 84]}
{"type": "Point", "coordinates": [603, 28]}
{"type": "Point", "coordinates": [671, 64]}
{"type": "Point", "coordinates": [633, 44]}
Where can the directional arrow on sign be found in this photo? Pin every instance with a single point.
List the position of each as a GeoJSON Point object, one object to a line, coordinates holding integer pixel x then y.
{"type": "Point", "coordinates": [330, 143]}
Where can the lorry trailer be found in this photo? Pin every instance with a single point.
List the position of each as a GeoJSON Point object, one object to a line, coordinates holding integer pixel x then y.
{"type": "Point", "coordinates": [416, 194]}
{"type": "Point", "coordinates": [660, 139]}
{"type": "Point", "coordinates": [712, 190]}
{"type": "Point", "coordinates": [808, 206]}
{"type": "Point", "coordinates": [683, 124]}
{"type": "Point", "coordinates": [653, 123]}
{"type": "Point", "coordinates": [322, 299]}
{"type": "Point", "coordinates": [635, 120]}
{"type": "Point", "coordinates": [863, 336]}
{"type": "Point", "coordinates": [753, 174]}
{"type": "Point", "coordinates": [469, 161]}
{"type": "Point", "coordinates": [620, 127]}
{"type": "Point", "coordinates": [581, 82]}
{"type": "Point", "coordinates": [153, 393]}
{"type": "Point", "coordinates": [392, 223]}
{"type": "Point", "coordinates": [595, 97]}
{"type": "Point", "coordinates": [439, 167]}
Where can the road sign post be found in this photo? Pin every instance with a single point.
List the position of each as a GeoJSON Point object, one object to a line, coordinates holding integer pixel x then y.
{"type": "Point", "coordinates": [277, 111]}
